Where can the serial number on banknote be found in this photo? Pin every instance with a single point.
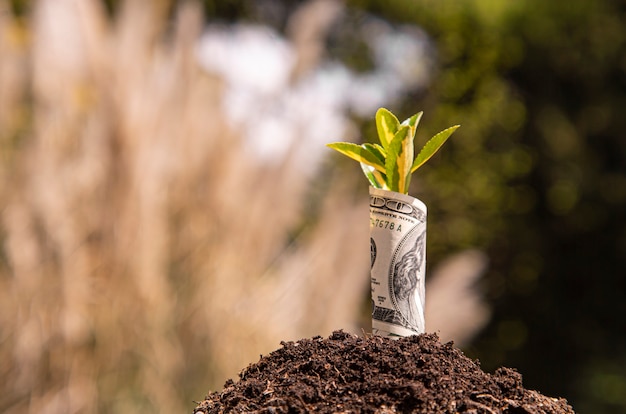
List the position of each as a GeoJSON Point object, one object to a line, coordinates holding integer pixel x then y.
{"type": "Point", "coordinates": [386, 224]}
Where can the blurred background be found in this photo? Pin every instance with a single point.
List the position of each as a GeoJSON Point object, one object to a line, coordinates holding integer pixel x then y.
{"type": "Point", "coordinates": [169, 210]}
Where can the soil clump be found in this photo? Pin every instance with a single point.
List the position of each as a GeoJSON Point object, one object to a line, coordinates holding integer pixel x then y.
{"type": "Point", "coordinates": [345, 373]}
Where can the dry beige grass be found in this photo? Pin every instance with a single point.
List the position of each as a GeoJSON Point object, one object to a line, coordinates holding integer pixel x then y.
{"type": "Point", "coordinates": [144, 260]}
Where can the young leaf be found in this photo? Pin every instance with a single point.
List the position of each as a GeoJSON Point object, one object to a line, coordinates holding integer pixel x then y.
{"type": "Point", "coordinates": [413, 122]}
{"type": "Point", "coordinates": [375, 177]}
{"type": "Point", "coordinates": [389, 166]}
{"type": "Point", "coordinates": [380, 149]}
{"type": "Point", "coordinates": [387, 125]}
{"type": "Point", "coordinates": [377, 150]}
{"type": "Point", "coordinates": [399, 158]}
{"type": "Point", "coordinates": [358, 153]}
{"type": "Point", "coordinates": [432, 146]}
{"type": "Point", "coordinates": [405, 162]}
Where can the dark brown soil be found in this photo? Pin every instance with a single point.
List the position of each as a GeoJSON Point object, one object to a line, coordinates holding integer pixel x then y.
{"type": "Point", "coordinates": [349, 374]}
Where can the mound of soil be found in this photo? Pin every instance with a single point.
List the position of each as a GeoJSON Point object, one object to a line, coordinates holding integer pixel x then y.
{"type": "Point", "coordinates": [349, 374]}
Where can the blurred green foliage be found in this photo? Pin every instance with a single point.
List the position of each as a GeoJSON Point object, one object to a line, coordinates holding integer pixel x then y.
{"type": "Point", "coordinates": [537, 178]}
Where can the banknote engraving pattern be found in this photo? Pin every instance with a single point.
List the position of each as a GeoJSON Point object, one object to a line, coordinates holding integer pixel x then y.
{"type": "Point", "coordinates": [390, 204]}
{"type": "Point", "coordinates": [406, 280]}
{"type": "Point", "coordinates": [398, 262]}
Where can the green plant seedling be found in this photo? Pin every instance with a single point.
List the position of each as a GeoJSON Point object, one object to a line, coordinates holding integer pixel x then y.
{"type": "Point", "coordinates": [389, 165]}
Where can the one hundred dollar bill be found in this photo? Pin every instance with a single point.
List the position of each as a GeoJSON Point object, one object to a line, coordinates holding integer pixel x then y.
{"type": "Point", "coordinates": [398, 256]}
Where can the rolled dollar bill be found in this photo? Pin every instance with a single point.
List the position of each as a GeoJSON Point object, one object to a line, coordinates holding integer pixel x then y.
{"type": "Point", "coordinates": [398, 255]}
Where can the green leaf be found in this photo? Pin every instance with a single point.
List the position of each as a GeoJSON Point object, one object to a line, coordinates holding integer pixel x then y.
{"type": "Point", "coordinates": [358, 153]}
{"type": "Point", "coordinates": [432, 146]}
{"type": "Point", "coordinates": [390, 164]}
{"type": "Point", "coordinates": [413, 122]}
{"type": "Point", "coordinates": [375, 177]}
{"type": "Point", "coordinates": [405, 161]}
{"type": "Point", "coordinates": [381, 149]}
{"type": "Point", "coordinates": [399, 159]}
{"type": "Point", "coordinates": [377, 150]}
{"type": "Point", "coordinates": [387, 126]}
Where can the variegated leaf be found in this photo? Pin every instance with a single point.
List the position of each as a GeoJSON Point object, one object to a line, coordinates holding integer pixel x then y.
{"type": "Point", "coordinates": [358, 153]}
{"type": "Point", "coordinates": [398, 161]}
{"type": "Point", "coordinates": [432, 146]}
{"type": "Point", "coordinates": [387, 125]}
